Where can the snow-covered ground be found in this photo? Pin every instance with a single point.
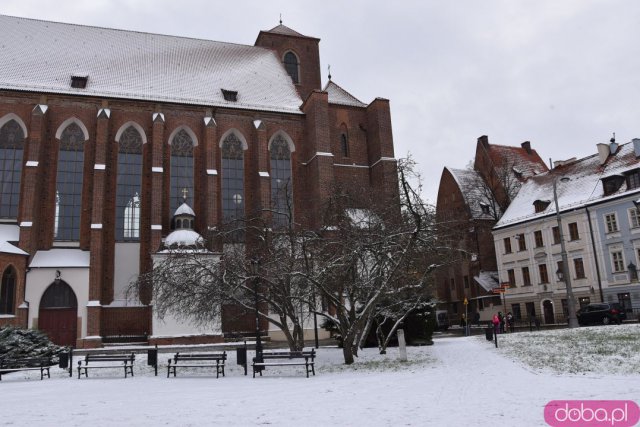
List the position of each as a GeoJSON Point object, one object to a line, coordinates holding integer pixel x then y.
{"type": "Point", "coordinates": [457, 382]}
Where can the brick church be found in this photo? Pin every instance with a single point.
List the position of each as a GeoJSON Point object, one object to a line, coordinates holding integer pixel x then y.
{"type": "Point", "coordinates": [105, 134]}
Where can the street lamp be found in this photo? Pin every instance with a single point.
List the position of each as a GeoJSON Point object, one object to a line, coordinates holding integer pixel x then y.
{"type": "Point", "coordinates": [571, 299]}
{"type": "Point", "coordinates": [255, 265]}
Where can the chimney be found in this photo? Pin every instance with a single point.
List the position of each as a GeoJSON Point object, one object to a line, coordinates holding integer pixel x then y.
{"type": "Point", "coordinates": [636, 146]}
{"type": "Point", "coordinates": [603, 152]}
{"type": "Point", "coordinates": [527, 146]}
{"type": "Point", "coordinates": [484, 140]}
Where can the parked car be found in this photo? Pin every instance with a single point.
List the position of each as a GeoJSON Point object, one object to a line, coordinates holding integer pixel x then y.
{"type": "Point", "coordinates": [604, 313]}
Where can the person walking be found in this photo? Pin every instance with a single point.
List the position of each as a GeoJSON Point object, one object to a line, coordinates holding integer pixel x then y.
{"type": "Point", "coordinates": [510, 322]}
{"type": "Point", "coordinates": [496, 323]}
{"type": "Point", "coordinates": [501, 320]}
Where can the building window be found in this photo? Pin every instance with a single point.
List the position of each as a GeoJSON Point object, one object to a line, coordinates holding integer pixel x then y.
{"type": "Point", "coordinates": [531, 309]}
{"type": "Point", "coordinates": [515, 310]}
{"type": "Point", "coordinates": [507, 245]}
{"type": "Point", "coordinates": [573, 231]}
{"type": "Point", "coordinates": [465, 279]}
{"type": "Point", "coordinates": [537, 236]}
{"type": "Point", "coordinates": [633, 180]}
{"type": "Point", "coordinates": [181, 169]}
{"type": "Point", "coordinates": [79, 82]}
{"type": "Point", "coordinates": [522, 243]}
{"type": "Point", "coordinates": [511, 277]}
{"type": "Point", "coordinates": [634, 217]}
{"type": "Point", "coordinates": [344, 145]}
{"type": "Point", "coordinates": [611, 222]}
{"type": "Point", "coordinates": [612, 184]}
{"type": "Point", "coordinates": [129, 185]}
{"type": "Point", "coordinates": [230, 95]}
{"type": "Point", "coordinates": [281, 188]}
{"type": "Point", "coordinates": [8, 291]}
{"type": "Point", "coordinates": [526, 277]}
{"type": "Point", "coordinates": [11, 153]}
{"type": "Point", "coordinates": [291, 65]}
{"type": "Point", "coordinates": [232, 179]}
{"type": "Point", "coordinates": [69, 184]}
{"type": "Point", "coordinates": [544, 276]}
{"type": "Point", "coordinates": [579, 267]}
{"type": "Point", "coordinates": [540, 205]}
{"type": "Point", "coordinates": [556, 235]}
{"type": "Point", "coordinates": [617, 261]}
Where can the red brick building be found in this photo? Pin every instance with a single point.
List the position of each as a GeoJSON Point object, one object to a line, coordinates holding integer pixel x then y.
{"type": "Point", "coordinates": [103, 133]}
{"type": "Point", "coordinates": [472, 201]}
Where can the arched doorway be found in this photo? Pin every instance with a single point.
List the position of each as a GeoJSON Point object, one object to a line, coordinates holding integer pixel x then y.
{"type": "Point", "coordinates": [547, 308]}
{"type": "Point", "coordinates": [58, 314]}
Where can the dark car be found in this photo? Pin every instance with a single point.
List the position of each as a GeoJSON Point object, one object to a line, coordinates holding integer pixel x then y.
{"type": "Point", "coordinates": [604, 313]}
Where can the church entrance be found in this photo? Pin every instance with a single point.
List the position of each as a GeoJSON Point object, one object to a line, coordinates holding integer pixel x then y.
{"type": "Point", "coordinates": [58, 315]}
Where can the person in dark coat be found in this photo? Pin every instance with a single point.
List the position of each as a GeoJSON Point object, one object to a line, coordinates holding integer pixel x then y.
{"type": "Point", "coordinates": [501, 318]}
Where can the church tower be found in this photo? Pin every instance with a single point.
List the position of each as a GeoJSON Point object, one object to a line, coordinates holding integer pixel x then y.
{"type": "Point", "coordinates": [299, 54]}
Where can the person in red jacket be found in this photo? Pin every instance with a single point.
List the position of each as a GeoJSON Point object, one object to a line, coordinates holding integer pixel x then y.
{"type": "Point", "coordinates": [496, 323]}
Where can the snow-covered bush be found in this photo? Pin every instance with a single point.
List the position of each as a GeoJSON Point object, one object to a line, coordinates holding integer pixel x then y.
{"type": "Point", "coordinates": [18, 343]}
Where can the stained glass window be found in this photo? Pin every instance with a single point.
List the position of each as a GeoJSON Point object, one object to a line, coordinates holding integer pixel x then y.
{"type": "Point", "coordinates": [232, 178]}
{"type": "Point", "coordinates": [69, 184]}
{"type": "Point", "coordinates": [11, 153]}
{"type": "Point", "coordinates": [129, 185]}
{"type": "Point", "coordinates": [181, 168]}
{"type": "Point", "coordinates": [281, 189]}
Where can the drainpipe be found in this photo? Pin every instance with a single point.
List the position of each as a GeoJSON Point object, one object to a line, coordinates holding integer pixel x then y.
{"type": "Point", "coordinates": [595, 255]}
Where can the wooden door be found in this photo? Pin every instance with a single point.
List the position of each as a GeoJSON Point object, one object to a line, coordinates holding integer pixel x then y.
{"type": "Point", "coordinates": [58, 314]}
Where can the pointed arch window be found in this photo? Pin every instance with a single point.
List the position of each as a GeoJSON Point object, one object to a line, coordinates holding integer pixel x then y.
{"type": "Point", "coordinates": [11, 153]}
{"type": "Point", "coordinates": [69, 184]}
{"type": "Point", "coordinates": [281, 188]}
{"type": "Point", "coordinates": [8, 291]}
{"type": "Point", "coordinates": [344, 145]}
{"type": "Point", "coordinates": [232, 178]}
{"type": "Point", "coordinates": [181, 168]}
{"type": "Point", "coordinates": [129, 185]}
{"type": "Point", "coordinates": [291, 64]}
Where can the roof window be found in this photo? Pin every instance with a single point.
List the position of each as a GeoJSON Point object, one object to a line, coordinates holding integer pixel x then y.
{"type": "Point", "coordinates": [541, 205]}
{"type": "Point", "coordinates": [79, 82]}
{"type": "Point", "coordinates": [230, 95]}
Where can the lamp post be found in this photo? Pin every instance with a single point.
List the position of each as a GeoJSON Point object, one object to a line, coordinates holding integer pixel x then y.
{"type": "Point", "coordinates": [571, 299]}
{"type": "Point", "coordinates": [255, 264]}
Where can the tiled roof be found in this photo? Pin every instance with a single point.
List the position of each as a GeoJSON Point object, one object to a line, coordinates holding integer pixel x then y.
{"type": "Point", "coordinates": [339, 96]}
{"type": "Point", "coordinates": [583, 187]}
{"type": "Point", "coordinates": [283, 29]}
{"type": "Point", "coordinates": [473, 190]}
{"type": "Point", "coordinates": [527, 164]}
{"type": "Point", "coordinates": [42, 56]}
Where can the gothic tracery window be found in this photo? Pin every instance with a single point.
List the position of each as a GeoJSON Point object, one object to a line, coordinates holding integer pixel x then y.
{"type": "Point", "coordinates": [11, 153]}
{"type": "Point", "coordinates": [232, 178]}
{"type": "Point", "coordinates": [291, 65]}
{"type": "Point", "coordinates": [129, 185]}
{"type": "Point", "coordinates": [8, 291]}
{"type": "Point", "coordinates": [181, 168]}
{"type": "Point", "coordinates": [281, 188]}
{"type": "Point", "coordinates": [69, 184]}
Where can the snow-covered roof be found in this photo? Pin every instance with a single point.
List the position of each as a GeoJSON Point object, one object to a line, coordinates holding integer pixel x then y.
{"type": "Point", "coordinates": [10, 233]}
{"type": "Point", "coordinates": [184, 209]}
{"type": "Point", "coordinates": [183, 238]}
{"type": "Point", "coordinates": [284, 30]}
{"type": "Point", "coordinates": [41, 56]}
{"type": "Point", "coordinates": [60, 258]}
{"type": "Point", "coordinates": [578, 183]}
{"type": "Point", "coordinates": [339, 96]}
{"type": "Point", "coordinates": [488, 280]}
{"type": "Point", "coordinates": [473, 190]}
{"type": "Point", "coordinates": [524, 163]}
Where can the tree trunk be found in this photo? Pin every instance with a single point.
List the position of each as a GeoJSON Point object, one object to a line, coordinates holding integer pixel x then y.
{"type": "Point", "coordinates": [347, 350]}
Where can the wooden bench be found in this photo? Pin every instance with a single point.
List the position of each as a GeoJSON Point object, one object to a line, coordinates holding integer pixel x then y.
{"type": "Point", "coordinates": [285, 358]}
{"type": "Point", "coordinates": [198, 360]}
{"type": "Point", "coordinates": [41, 364]}
{"type": "Point", "coordinates": [101, 363]}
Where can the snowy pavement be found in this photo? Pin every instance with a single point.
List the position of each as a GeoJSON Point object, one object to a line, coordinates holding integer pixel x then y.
{"type": "Point", "coordinates": [456, 382]}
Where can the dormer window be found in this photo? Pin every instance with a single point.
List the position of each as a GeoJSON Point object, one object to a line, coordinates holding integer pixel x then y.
{"type": "Point", "coordinates": [79, 82]}
{"type": "Point", "coordinates": [230, 95]}
{"type": "Point", "coordinates": [611, 184]}
{"type": "Point", "coordinates": [541, 205]}
{"type": "Point", "coordinates": [633, 179]}
{"type": "Point", "coordinates": [291, 65]}
{"type": "Point", "coordinates": [485, 208]}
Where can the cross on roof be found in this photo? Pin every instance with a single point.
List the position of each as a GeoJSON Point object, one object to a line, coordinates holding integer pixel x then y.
{"type": "Point", "coordinates": [185, 192]}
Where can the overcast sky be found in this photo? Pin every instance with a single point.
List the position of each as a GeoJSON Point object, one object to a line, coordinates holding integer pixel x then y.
{"type": "Point", "coordinates": [563, 74]}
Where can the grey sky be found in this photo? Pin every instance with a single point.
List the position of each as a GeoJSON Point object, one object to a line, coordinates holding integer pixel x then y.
{"type": "Point", "coordinates": [563, 74]}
